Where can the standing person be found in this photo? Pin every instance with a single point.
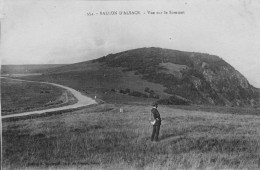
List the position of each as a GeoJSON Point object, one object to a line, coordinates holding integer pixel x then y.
{"type": "Point", "coordinates": [155, 115]}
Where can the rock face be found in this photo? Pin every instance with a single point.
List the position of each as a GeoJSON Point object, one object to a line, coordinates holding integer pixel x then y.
{"type": "Point", "coordinates": [230, 86]}
{"type": "Point", "coordinates": [194, 77]}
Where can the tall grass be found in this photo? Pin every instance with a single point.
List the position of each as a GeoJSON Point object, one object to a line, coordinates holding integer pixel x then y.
{"type": "Point", "coordinates": [101, 137]}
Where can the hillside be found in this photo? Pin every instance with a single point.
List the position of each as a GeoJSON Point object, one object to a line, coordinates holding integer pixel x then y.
{"type": "Point", "coordinates": [170, 76]}
{"type": "Point", "coordinates": [199, 78]}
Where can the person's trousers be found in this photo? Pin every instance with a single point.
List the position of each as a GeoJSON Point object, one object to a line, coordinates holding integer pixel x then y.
{"type": "Point", "coordinates": [155, 133]}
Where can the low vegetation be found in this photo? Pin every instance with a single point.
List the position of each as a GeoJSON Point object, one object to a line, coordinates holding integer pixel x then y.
{"type": "Point", "coordinates": [19, 96]}
{"type": "Point", "coordinates": [101, 137]}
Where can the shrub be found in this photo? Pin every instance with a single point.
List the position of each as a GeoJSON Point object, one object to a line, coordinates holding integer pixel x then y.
{"type": "Point", "coordinates": [122, 91]}
{"type": "Point", "coordinates": [127, 90]}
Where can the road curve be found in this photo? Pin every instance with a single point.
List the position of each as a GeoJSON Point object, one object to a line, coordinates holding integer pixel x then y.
{"type": "Point", "coordinates": [82, 101]}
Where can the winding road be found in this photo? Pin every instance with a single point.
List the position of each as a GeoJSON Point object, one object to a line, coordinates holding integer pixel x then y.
{"type": "Point", "coordinates": [82, 101]}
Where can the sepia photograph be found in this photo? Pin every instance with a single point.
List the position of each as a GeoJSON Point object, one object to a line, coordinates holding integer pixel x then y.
{"type": "Point", "coordinates": [130, 85]}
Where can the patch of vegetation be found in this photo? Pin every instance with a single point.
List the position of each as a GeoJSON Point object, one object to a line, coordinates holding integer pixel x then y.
{"type": "Point", "coordinates": [20, 96]}
{"type": "Point", "coordinates": [138, 94]}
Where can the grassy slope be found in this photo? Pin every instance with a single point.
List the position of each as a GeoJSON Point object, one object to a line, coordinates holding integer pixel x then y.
{"type": "Point", "coordinates": [102, 137]}
{"type": "Point", "coordinates": [97, 79]}
{"type": "Point", "coordinates": [17, 96]}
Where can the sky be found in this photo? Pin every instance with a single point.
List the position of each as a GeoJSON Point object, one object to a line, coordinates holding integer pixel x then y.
{"type": "Point", "coordinates": [58, 32]}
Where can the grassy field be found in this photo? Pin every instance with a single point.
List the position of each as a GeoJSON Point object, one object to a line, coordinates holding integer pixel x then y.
{"type": "Point", "coordinates": [18, 96]}
{"type": "Point", "coordinates": [100, 137]}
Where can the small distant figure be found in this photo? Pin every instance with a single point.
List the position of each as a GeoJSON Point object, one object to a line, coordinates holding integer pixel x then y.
{"type": "Point", "coordinates": [95, 97]}
{"type": "Point", "coordinates": [156, 122]}
{"type": "Point", "coordinates": [121, 110]}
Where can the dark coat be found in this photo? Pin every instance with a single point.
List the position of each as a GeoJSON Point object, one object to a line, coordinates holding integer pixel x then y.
{"type": "Point", "coordinates": [156, 116]}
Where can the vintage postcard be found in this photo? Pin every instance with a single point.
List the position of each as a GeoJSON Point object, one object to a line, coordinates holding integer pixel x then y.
{"type": "Point", "coordinates": [130, 84]}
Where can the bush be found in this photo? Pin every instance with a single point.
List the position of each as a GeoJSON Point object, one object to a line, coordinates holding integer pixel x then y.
{"type": "Point", "coordinates": [122, 91]}
{"type": "Point", "coordinates": [136, 94]}
{"type": "Point", "coordinates": [127, 90]}
{"type": "Point", "coordinates": [147, 89]}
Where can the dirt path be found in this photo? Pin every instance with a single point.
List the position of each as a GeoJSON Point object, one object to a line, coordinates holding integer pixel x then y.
{"type": "Point", "coordinates": [82, 101]}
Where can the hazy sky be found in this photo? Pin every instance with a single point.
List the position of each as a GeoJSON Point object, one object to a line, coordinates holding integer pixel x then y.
{"type": "Point", "coordinates": [48, 32]}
